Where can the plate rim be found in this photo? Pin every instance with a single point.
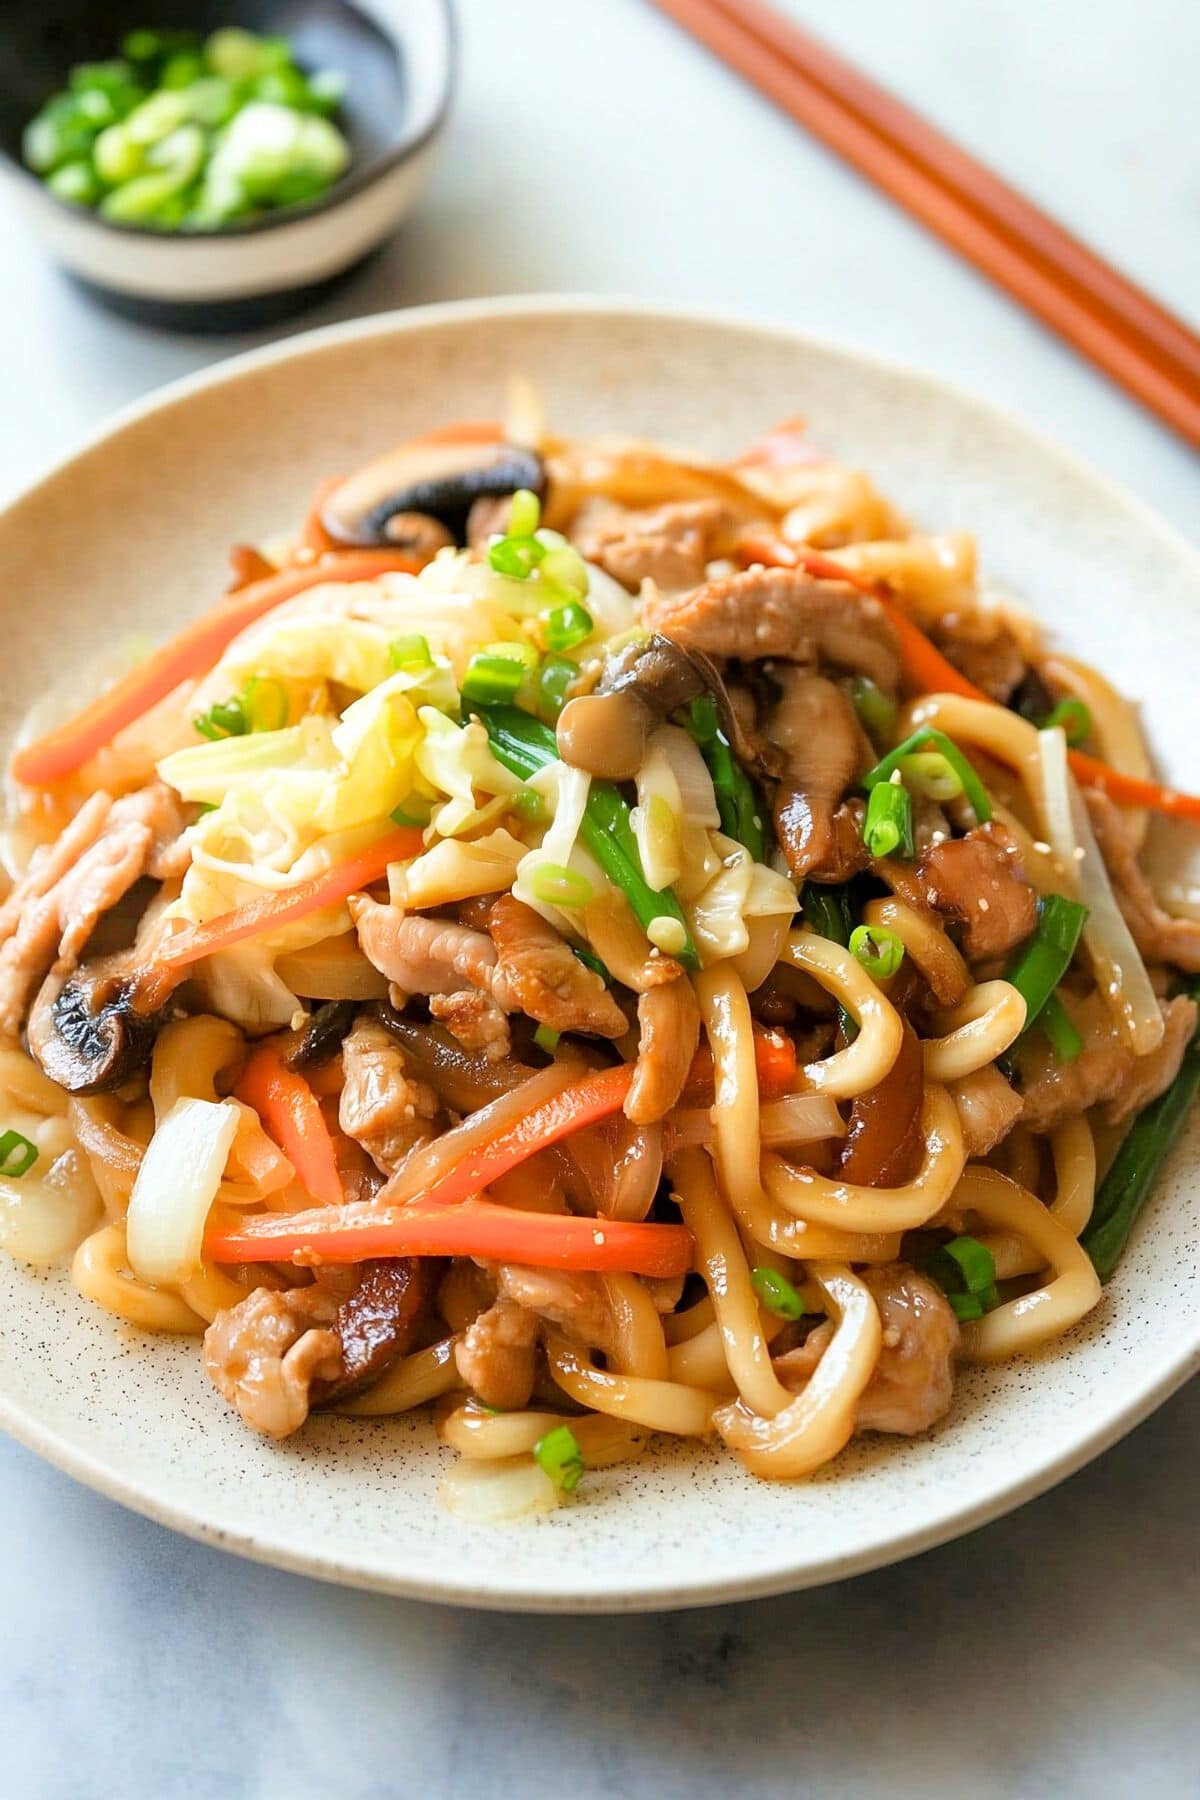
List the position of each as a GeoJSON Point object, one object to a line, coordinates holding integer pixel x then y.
{"type": "Point", "coordinates": [646, 1593]}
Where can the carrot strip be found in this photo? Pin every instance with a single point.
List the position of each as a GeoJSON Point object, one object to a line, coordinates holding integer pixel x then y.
{"type": "Point", "coordinates": [291, 1114]}
{"type": "Point", "coordinates": [364, 1231]}
{"type": "Point", "coordinates": [276, 909]}
{"type": "Point", "coordinates": [774, 1059]}
{"type": "Point", "coordinates": [195, 649]}
{"type": "Point", "coordinates": [927, 671]}
{"type": "Point", "coordinates": [586, 1103]}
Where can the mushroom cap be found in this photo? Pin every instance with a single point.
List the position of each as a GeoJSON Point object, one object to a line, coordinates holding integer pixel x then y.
{"type": "Point", "coordinates": [88, 1034]}
{"type": "Point", "coordinates": [438, 479]}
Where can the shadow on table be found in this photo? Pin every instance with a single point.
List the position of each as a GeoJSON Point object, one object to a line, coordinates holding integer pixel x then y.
{"type": "Point", "coordinates": [1052, 1651]}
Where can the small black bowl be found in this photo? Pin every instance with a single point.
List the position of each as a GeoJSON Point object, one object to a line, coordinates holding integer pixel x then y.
{"type": "Point", "coordinates": [398, 58]}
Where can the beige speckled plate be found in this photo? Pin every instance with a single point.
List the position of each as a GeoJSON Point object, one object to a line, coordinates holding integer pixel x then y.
{"type": "Point", "coordinates": [131, 534]}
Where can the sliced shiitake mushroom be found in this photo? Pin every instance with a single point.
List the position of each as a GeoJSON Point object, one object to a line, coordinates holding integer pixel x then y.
{"type": "Point", "coordinates": [93, 1030]}
{"type": "Point", "coordinates": [439, 481]}
{"type": "Point", "coordinates": [322, 1036]}
{"type": "Point", "coordinates": [377, 1323]}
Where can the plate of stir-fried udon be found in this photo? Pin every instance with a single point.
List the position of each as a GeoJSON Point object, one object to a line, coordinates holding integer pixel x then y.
{"type": "Point", "coordinates": [608, 1014]}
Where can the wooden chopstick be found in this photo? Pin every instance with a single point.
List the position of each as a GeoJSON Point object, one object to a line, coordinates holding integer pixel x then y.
{"type": "Point", "coordinates": [1125, 332]}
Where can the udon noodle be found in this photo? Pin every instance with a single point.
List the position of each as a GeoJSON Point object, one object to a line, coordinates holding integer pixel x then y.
{"type": "Point", "coordinates": [598, 943]}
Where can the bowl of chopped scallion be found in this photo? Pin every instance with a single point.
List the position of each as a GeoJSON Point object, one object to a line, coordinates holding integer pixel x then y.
{"type": "Point", "coordinates": [209, 165]}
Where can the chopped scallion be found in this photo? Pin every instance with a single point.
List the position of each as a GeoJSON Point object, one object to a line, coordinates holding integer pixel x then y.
{"type": "Point", "coordinates": [554, 678]}
{"type": "Point", "coordinates": [524, 514]}
{"type": "Point", "coordinates": [777, 1293]}
{"type": "Point", "coordinates": [516, 557]}
{"type": "Point", "coordinates": [888, 826]}
{"type": "Point", "coordinates": [878, 950]}
{"type": "Point", "coordinates": [566, 626]}
{"type": "Point", "coordinates": [827, 912]}
{"type": "Point", "coordinates": [875, 709]}
{"type": "Point", "coordinates": [966, 1271]}
{"type": "Point", "coordinates": [555, 885]}
{"type": "Point", "coordinates": [528, 804]}
{"type": "Point", "coordinates": [559, 1455]}
{"type": "Point", "coordinates": [1055, 1021]}
{"type": "Point", "coordinates": [1075, 718]}
{"type": "Point", "coordinates": [1046, 956]}
{"type": "Point", "coordinates": [17, 1154]}
{"type": "Point", "coordinates": [926, 737]}
{"type": "Point", "coordinates": [265, 703]}
{"type": "Point", "coordinates": [928, 773]}
{"type": "Point", "coordinates": [416, 810]}
{"type": "Point", "coordinates": [227, 718]}
{"type": "Point", "coordinates": [546, 1039]}
{"type": "Point", "coordinates": [411, 652]}
{"type": "Point", "coordinates": [490, 678]}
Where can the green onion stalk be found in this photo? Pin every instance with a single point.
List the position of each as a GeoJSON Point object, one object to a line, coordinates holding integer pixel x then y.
{"type": "Point", "coordinates": [1138, 1163]}
{"type": "Point", "coordinates": [524, 745]}
{"type": "Point", "coordinates": [738, 802]}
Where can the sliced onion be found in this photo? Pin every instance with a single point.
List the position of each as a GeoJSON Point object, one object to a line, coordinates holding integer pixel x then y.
{"type": "Point", "coordinates": [800, 1119]}
{"type": "Point", "coordinates": [1118, 968]}
{"type": "Point", "coordinates": [44, 1220]}
{"type": "Point", "coordinates": [493, 1493]}
{"type": "Point", "coordinates": [175, 1187]}
{"type": "Point", "coordinates": [696, 793]}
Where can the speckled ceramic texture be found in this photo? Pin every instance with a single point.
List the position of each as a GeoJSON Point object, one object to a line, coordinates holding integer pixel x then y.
{"type": "Point", "coordinates": [131, 535]}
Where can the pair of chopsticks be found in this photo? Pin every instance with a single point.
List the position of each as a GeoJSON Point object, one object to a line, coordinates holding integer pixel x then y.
{"type": "Point", "coordinates": [1144, 348]}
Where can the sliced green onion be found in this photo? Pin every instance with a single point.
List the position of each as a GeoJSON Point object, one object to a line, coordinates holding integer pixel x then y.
{"type": "Point", "coordinates": [928, 773]}
{"type": "Point", "coordinates": [926, 736]}
{"type": "Point", "coordinates": [966, 1271]}
{"type": "Point", "coordinates": [1138, 1163]}
{"type": "Point", "coordinates": [777, 1293]}
{"type": "Point", "coordinates": [411, 652]}
{"type": "Point", "coordinates": [974, 1260]}
{"type": "Point", "coordinates": [1045, 958]}
{"type": "Point", "coordinates": [559, 1455]}
{"type": "Point", "coordinates": [1075, 718]}
{"type": "Point", "coordinates": [17, 1154]}
{"type": "Point", "coordinates": [1055, 1021]}
{"type": "Point", "coordinates": [554, 678]}
{"type": "Point", "coordinates": [546, 1040]}
{"type": "Point", "coordinates": [888, 826]}
{"type": "Point", "coordinates": [704, 721]}
{"type": "Point", "coordinates": [566, 626]}
{"type": "Point", "coordinates": [875, 709]}
{"type": "Point", "coordinates": [492, 679]}
{"type": "Point", "coordinates": [738, 803]}
{"type": "Point", "coordinates": [516, 557]}
{"type": "Point", "coordinates": [227, 718]}
{"type": "Point", "coordinates": [591, 961]}
{"type": "Point", "coordinates": [524, 513]}
{"type": "Point", "coordinates": [265, 703]}
{"type": "Point", "coordinates": [528, 804]}
{"type": "Point", "coordinates": [827, 912]}
{"type": "Point", "coordinates": [878, 950]}
{"type": "Point", "coordinates": [563, 567]}
{"type": "Point", "coordinates": [416, 810]}
{"type": "Point", "coordinates": [555, 885]}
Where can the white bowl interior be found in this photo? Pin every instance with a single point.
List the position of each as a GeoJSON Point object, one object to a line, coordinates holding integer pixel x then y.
{"type": "Point", "coordinates": [131, 536]}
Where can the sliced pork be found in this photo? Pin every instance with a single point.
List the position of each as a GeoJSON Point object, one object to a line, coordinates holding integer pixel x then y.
{"type": "Point", "coordinates": [977, 882]}
{"type": "Point", "coordinates": [784, 614]}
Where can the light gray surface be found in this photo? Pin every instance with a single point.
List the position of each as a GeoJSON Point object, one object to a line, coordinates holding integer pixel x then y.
{"type": "Point", "coordinates": [1055, 1652]}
